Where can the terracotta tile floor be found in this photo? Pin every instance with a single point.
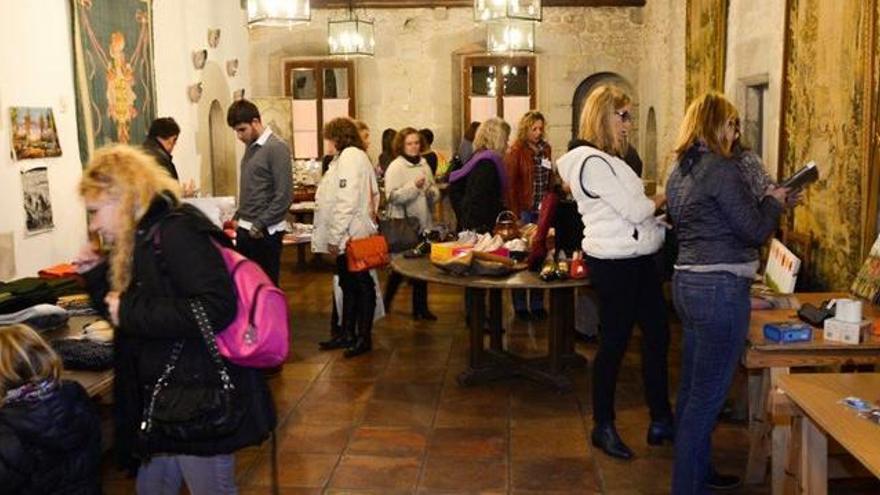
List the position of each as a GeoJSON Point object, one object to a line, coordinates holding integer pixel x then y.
{"type": "Point", "coordinates": [395, 420]}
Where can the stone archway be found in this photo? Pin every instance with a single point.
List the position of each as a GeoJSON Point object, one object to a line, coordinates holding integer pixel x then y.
{"type": "Point", "coordinates": [222, 170]}
{"type": "Point", "coordinates": [586, 87]}
{"type": "Point", "coordinates": [215, 140]}
{"type": "Point", "coordinates": [650, 149]}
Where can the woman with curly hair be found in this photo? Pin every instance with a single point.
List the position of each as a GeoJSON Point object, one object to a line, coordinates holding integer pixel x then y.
{"type": "Point", "coordinates": [162, 272]}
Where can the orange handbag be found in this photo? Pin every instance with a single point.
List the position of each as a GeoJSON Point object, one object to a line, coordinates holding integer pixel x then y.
{"type": "Point", "coordinates": [367, 253]}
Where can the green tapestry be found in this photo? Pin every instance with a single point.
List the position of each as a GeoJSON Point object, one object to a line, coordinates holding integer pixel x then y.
{"type": "Point", "coordinates": [113, 53]}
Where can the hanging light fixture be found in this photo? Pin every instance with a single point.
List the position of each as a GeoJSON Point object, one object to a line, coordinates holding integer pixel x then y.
{"type": "Point", "coordinates": [527, 10]}
{"type": "Point", "coordinates": [283, 13]}
{"type": "Point", "coordinates": [510, 36]}
{"type": "Point", "coordinates": [351, 37]}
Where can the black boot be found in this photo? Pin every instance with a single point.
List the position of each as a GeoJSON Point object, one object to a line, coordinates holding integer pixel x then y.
{"type": "Point", "coordinates": [420, 302]}
{"type": "Point", "coordinates": [338, 338]}
{"type": "Point", "coordinates": [366, 307]}
{"type": "Point", "coordinates": [606, 438]}
{"type": "Point", "coordinates": [391, 286]}
{"type": "Point", "coordinates": [660, 431]}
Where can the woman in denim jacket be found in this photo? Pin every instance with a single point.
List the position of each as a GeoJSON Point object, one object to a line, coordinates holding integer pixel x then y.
{"type": "Point", "coordinates": [720, 227]}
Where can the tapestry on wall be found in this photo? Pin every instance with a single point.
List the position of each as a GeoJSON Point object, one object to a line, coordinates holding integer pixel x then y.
{"type": "Point", "coordinates": [705, 47]}
{"type": "Point", "coordinates": [113, 52]}
{"type": "Point", "coordinates": [34, 134]}
{"type": "Point", "coordinates": [825, 117]}
{"type": "Point", "coordinates": [37, 203]}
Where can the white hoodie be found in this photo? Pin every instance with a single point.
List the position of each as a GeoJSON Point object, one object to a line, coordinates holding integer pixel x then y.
{"type": "Point", "coordinates": [618, 217]}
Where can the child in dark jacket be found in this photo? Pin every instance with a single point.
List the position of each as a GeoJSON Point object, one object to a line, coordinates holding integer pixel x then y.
{"type": "Point", "coordinates": [50, 434]}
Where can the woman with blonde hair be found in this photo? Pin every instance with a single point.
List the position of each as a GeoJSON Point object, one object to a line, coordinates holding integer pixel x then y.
{"type": "Point", "coordinates": [180, 410]}
{"type": "Point", "coordinates": [530, 171]}
{"type": "Point", "coordinates": [720, 227]}
{"type": "Point", "coordinates": [50, 432]}
{"type": "Point", "coordinates": [477, 188]}
{"type": "Point", "coordinates": [620, 239]}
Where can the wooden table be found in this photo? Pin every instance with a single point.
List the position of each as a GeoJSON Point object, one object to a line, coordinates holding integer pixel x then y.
{"type": "Point", "coordinates": [495, 363]}
{"type": "Point", "coordinates": [769, 433]}
{"type": "Point", "coordinates": [821, 415]}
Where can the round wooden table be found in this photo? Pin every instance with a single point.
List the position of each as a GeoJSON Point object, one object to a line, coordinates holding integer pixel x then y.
{"type": "Point", "coordinates": [494, 363]}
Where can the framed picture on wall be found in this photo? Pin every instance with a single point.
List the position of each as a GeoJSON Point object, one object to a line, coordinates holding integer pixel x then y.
{"type": "Point", "coordinates": [34, 134]}
{"type": "Point", "coordinates": [37, 202]}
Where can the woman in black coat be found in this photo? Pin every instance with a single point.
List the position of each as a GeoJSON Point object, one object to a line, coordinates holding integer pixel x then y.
{"type": "Point", "coordinates": [50, 433]}
{"type": "Point", "coordinates": [162, 263]}
{"type": "Point", "coordinates": [478, 188]}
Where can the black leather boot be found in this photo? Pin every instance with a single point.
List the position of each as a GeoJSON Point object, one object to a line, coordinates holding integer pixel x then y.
{"type": "Point", "coordinates": [660, 431]}
{"type": "Point", "coordinates": [338, 338]}
{"type": "Point", "coordinates": [420, 302]}
{"type": "Point", "coordinates": [366, 307]}
{"type": "Point", "coordinates": [606, 438]}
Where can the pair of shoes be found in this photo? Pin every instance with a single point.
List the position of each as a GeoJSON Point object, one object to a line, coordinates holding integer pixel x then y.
{"type": "Point", "coordinates": [718, 481]}
{"type": "Point", "coordinates": [424, 315]}
{"type": "Point", "coordinates": [539, 314]}
{"type": "Point", "coordinates": [661, 431]}
{"type": "Point", "coordinates": [360, 346]}
{"type": "Point", "coordinates": [338, 342]}
{"type": "Point", "coordinates": [606, 438]}
{"type": "Point", "coordinates": [523, 315]}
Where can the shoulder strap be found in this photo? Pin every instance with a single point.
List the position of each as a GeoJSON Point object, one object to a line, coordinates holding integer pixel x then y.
{"type": "Point", "coordinates": [581, 174]}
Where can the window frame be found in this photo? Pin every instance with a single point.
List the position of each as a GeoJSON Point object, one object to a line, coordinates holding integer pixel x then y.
{"type": "Point", "coordinates": [498, 61]}
{"type": "Point", "coordinates": [318, 65]}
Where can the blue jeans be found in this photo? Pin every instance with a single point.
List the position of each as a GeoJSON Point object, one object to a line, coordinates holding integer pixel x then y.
{"type": "Point", "coordinates": [164, 474]}
{"type": "Point", "coordinates": [714, 309]}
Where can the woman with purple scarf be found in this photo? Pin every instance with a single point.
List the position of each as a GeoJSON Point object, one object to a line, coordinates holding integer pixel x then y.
{"type": "Point", "coordinates": [477, 189]}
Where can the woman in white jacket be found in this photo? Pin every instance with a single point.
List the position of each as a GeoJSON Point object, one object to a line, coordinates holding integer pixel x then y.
{"type": "Point", "coordinates": [345, 208]}
{"type": "Point", "coordinates": [411, 192]}
{"type": "Point", "coordinates": [621, 235]}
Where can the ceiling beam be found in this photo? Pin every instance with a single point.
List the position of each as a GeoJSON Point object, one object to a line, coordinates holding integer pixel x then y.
{"type": "Point", "coordinates": [391, 4]}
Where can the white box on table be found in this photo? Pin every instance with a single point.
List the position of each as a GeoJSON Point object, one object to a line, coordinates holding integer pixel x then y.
{"type": "Point", "coordinates": [846, 332]}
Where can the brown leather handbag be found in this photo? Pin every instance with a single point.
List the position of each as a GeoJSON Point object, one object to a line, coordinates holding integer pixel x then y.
{"type": "Point", "coordinates": [367, 253]}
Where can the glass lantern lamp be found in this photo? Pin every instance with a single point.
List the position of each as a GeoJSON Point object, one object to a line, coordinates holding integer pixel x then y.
{"type": "Point", "coordinates": [527, 10]}
{"type": "Point", "coordinates": [350, 38]}
{"type": "Point", "coordinates": [278, 13]}
{"type": "Point", "coordinates": [510, 36]}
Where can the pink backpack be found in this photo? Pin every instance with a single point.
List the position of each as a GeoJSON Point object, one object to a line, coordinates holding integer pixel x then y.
{"type": "Point", "coordinates": [258, 336]}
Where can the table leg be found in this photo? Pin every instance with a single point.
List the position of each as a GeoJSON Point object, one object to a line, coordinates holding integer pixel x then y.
{"type": "Point", "coordinates": [814, 459]}
{"type": "Point", "coordinates": [759, 427]}
{"type": "Point", "coordinates": [301, 255]}
{"type": "Point", "coordinates": [781, 432]}
{"type": "Point", "coordinates": [561, 331]}
{"type": "Point", "coordinates": [495, 320]}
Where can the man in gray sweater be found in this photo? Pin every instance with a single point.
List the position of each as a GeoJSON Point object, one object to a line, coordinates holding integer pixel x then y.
{"type": "Point", "coordinates": [265, 189]}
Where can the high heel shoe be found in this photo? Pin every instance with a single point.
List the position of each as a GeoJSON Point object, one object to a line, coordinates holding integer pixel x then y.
{"type": "Point", "coordinates": [606, 438]}
{"type": "Point", "coordinates": [659, 432]}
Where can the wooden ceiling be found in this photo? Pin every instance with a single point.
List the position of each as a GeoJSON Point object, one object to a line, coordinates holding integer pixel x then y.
{"type": "Point", "coordinates": [391, 4]}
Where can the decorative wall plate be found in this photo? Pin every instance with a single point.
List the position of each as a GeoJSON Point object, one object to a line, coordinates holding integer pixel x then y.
{"type": "Point", "coordinates": [232, 67]}
{"type": "Point", "coordinates": [194, 92]}
{"type": "Point", "coordinates": [213, 38]}
{"type": "Point", "coordinates": [199, 58]}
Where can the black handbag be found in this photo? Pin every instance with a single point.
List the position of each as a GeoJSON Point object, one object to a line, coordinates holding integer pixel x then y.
{"type": "Point", "coordinates": [181, 406]}
{"type": "Point", "coordinates": [401, 234]}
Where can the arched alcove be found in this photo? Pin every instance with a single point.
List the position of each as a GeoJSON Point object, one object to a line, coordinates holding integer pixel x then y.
{"type": "Point", "coordinates": [215, 141]}
{"type": "Point", "coordinates": [586, 87]}
{"type": "Point", "coordinates": [649, 151]}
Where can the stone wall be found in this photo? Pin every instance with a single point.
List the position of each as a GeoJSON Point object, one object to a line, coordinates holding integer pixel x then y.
{"type": "Point", "coordinates": [414, 78]}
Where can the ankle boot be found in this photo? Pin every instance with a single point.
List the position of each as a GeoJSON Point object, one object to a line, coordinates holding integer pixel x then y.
{"type": "Point", "coordinates": [366, 307]}
{"type": "Point", "coordinates": [660, 431]}
{"type": "Point", "coordinates": [606, 438]}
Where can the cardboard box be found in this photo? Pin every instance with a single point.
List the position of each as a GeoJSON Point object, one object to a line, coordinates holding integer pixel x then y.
{"type": "Point", "coordinates": [846, 332]}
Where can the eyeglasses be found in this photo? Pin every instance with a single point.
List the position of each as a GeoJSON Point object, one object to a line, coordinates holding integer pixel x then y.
{"type": "Point", "coordinates": [624, 115]}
